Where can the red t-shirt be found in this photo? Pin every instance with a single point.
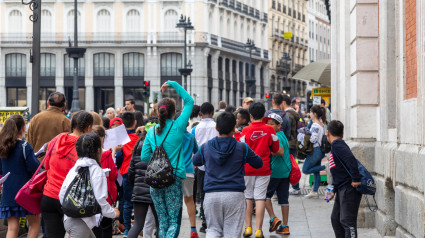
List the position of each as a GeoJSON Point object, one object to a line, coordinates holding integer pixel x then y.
{"type": "Point", "coordinates": [262, 139]}
{"type": "Point", "coordinates": [108, 163]}
{"type": "Point", "coordinates": [62, 159]}
{"type": "Point", "coordinates": [128, 152]}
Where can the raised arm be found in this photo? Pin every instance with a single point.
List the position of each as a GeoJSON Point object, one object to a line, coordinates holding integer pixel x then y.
{"type": "Point", "coordinates": [181, 122]}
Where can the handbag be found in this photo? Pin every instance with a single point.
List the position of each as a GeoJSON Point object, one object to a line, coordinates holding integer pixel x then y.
{"type": "Point", "coordinates": [29, 196]}
{"type": "Point", "coordinates": [295, 174]}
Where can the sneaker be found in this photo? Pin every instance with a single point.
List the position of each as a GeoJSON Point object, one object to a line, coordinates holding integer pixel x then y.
{"type": "Point", "coordinates": [125, 234]}
{"type": "Point", "coordinates": [274, 224]}
{"type": "Point", "coordinates": [294, 191]}
{"type": "Point", "coordinates": [312, 195]}
{"type": "Point", "coordinates": [203, 229]}
{"type": "Point", "coordinates": [259, 234]}
{"type": "Point", "coordinates": [248, 232]}
{"type": "Point", "coordinates": [283, 230]}
{"type": "Point", "coordinates": [193, 234]}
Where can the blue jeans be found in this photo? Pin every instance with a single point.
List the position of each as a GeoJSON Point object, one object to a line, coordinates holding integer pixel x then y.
{"type": "Point", "coordinates": [312, 166]}
{"type": "Point", "coordinates": [128, 205]}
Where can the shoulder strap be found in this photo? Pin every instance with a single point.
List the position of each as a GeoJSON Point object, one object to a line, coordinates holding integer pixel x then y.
{"type": "Point", "coordinates": [342, 163]}
{"type": "Point", "coordinates": [167, 134]}
{"type": "Point", "coordinates": [24, 145]}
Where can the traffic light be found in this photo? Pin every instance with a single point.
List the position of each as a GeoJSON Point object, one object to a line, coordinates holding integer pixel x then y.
{"type": "Point", "coordinates": [267, 96]}
{"type": "Point", "coordinates": [147, 88]}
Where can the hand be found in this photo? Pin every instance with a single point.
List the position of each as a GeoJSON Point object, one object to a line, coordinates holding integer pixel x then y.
{"type": "Point", "coordinates": [356, 184]}
{"type": "Point", "coordinates": [140, 129]}
{"type": "Point", "coordinates": [117, 212]}
{"type": "Point", "coordinates": [118, 148]}
{"type": "Point", "coordinates": [164, 87]}
{"type": "Point", "coordinates": [331, 196]}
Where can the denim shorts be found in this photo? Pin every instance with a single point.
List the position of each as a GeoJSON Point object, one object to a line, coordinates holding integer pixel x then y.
{"type": "Point", "coordinates": [281, 187]}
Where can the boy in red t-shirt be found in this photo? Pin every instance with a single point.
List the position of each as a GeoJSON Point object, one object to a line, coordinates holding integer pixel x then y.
{"type": "Point", "coordinates": [262, 139]}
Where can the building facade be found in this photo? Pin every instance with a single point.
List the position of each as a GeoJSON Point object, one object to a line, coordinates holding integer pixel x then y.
{"type": "Point", "coordinates": [378, 76]}
{"type": "Point", "coordinates": [288, 56]}
{"type": "Point", "coordinates": [319, 31]}
{"type": "Point", "coordinates": [129, 42]}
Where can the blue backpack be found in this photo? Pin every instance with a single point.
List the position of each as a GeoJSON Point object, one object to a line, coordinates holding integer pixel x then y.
{"type": "Point", "coordinates": [368, 185]}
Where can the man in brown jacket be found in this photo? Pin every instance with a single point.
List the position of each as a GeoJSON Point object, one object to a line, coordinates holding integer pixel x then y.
{"type": "Point", "coordinates": [46, 125]}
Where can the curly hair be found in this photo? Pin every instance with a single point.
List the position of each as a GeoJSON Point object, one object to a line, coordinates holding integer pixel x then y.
{"type": "Point", "coordinates": [88, 145]}
{"type": "Point", "coordinates": [81, 121]}
{"type": "Point", "coordinates": [166, 110]}
{"type": "Point", "coordinates": [9, 134]}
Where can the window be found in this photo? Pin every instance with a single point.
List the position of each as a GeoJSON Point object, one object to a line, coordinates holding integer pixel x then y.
{"type": "Point", "coordinates": [104, 65]}
{"type": "Point", "coordinates": [170, 64]}
{"type": "Point", "coordinates": [16, 65]}
{"type": "Point", "coordinates": [235, 31]}
{"type": "Point", "coordinates": [171, 19]}
{"type": "Point", "coordinates": [104, 21]}
{"type": "Point", "coordinates": [16, 97]}
{"type": "Point", "coordinates": [134, 22]}
{"type": "Point", "coordinates": [48, 65]}
{"type": "Point", "coordinates": [134, 65]}
{"type": "Point", "coordinates": [70, 21]}
{"type": "Point", "coordinates": [47, 22]}
{"type": "Point", "coordinates": [69, 66]}
{"type": "Point", "coordinates": [15, 21]}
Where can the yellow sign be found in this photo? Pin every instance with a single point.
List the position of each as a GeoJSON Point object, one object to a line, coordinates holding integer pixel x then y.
{"type": "Point", "coordinates": [323, 91]}
{"type": "Point", "coordinates": [6, 114]}
{"type": "Point", "coordinates": [287, 35]}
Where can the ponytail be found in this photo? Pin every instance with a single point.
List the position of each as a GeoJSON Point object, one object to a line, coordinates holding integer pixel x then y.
{"type": "Point", "coordinates": [320, 112]}
{"type": "Point", "coordinates": [9, 134]}
{"type": "Point", "coordinates": [166, 110]}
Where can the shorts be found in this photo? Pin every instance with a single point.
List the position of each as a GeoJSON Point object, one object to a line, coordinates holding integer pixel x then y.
{"type": "Point", "coordinates": [281, 187]}
{"type": "Point", "coordinates": [256, 187]}
{"type": "Point", "coordinates": [187, 185]}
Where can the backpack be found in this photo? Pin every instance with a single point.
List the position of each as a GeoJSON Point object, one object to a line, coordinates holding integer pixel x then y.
{"type": "Point", "coordinates": [295, 174]}
{"type": "Point", "coordinates": [160, 172]}
{"type": "Point", "coordinates": [325, 146]}
{"type": "Point", "coordinates": [368, 185]}
{"type": "Point", "coordinates": [79, 200]}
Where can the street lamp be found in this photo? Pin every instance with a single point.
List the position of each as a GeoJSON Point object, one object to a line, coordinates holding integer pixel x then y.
{"type": "Point", "coordinates": [35, 7]}
{"type": "Point", "coordinates": [186, 25]}
{"type": "Point", "coordinates": [75, 53]}
{"type": "Point", "coordinates": [249, 46]}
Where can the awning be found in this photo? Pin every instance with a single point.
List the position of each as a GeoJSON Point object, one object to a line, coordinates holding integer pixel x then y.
{"type": "Point", "coordinates": [318, 72]}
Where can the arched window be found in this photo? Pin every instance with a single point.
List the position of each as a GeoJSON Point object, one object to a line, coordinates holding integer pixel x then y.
{"type": "Point", "coordinates": [48, 65]}
{"type": "Point", "coordinates": [69, 66]}
{"type": "Point", "coordinates": [235, 31]}
{"type": "Point", "coordinates": [170, 64]}
{"type": "Point", "coordinates": [104, 23]}
{"type": "Point", "coordinates": [15, 21]}
{"type": "Point", "coordinates": [134, 65]}
{"type": "Point", "coordinates": [47, 22]}
{"type": "Point", "coordinates": [70, 21]}
{"type": "Point", "coordinates": [242, 33]}
{"type": "Point", "coordinates": [16, 65]}
{"type": "Point", "coordinates": [104, 65]}
{"type": "Point", "coordinates": [171, 19]}
{"type": "Point", "coordinates": [221, 27]}
{"type": "Point", "coordinates": [133, 23]}
{"type": "Point", "coordinates": [229, 28]}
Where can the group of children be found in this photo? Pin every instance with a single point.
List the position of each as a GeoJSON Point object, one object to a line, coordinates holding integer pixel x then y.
{"type": "Point", "coordinates": [235, 161]}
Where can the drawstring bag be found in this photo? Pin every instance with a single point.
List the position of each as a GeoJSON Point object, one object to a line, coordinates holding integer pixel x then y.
{"type": "Point", "coordinates": [79, 200]}
{"type": "Point", "coordinates": [160, 172]}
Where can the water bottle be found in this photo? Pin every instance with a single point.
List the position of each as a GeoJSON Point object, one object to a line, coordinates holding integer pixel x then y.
{"type": "Point", "coordinates": [329, 191]}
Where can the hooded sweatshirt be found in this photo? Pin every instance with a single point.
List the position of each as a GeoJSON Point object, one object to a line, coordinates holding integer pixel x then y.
{"type": "Point", "coordinates": [59, 162]}
{"type": "Point", "coordinates": [99, 186]}
{"type": "Point", "coordinates": [224, 159]}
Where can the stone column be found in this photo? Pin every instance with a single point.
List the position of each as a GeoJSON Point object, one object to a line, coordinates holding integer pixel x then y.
{"type": "Point", "coordinates": [29, 81]}
{"type": "Point", "coordinates": [59, 80]}
{"type": "Point", "coordinates": [118, 80]}
{"type": "Point", "coordinates": [89, 80]}
{"type": "Point", "coordinates": [3, 96]}
{"type": "Point", "coordinates": [214, 66]}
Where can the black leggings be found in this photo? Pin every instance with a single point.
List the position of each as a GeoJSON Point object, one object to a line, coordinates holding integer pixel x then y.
{"type": "Point", "coordinates": [51, 210]}
{"type": "Point", "coordinates": [105, 228]}
{"type": "Point", "coordinates": [140, 211]}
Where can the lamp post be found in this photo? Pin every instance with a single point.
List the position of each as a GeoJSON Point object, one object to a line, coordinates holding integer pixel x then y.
{"type": "Point", "coordinates": [75, 52]}
{"type": "Point", "coordinates": [35, 7]}
{"type": "Point", "coordinates": [186, 25]}
{"type": "Point", "coordinates": [249, 46]}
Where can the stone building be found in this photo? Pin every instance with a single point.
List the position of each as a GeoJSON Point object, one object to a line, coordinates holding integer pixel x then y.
{"type": "Point", "coordinates": [287, 16]}
{"type": "Point", "coordinates": [319, 31]}
{"type": "Point", "coordinates": [378, 76]}
{"type": "Point", "coordinates": [129, 42]}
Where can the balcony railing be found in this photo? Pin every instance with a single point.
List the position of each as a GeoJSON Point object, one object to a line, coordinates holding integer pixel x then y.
{"type": "Point", "coordinates": [251, 11]}
{"type": "Point", "coordinates": [238, 6]}
{"type": "Point", "coordinates": [214, 1]}
{"type": "Point", "coordinates": [257, 14]}
{"type": "Point", "coordinates": [224, 3]}
{"type": "Point", "coordinates": [245, 9]}
{"type": "Point", "coordinates": [232, 3]}
{"type": "Point", "coordinates": [265, 17]}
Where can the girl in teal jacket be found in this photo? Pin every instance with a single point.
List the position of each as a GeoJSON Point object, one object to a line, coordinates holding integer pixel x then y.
{"type": "Point", "coordinates": [168, 201]}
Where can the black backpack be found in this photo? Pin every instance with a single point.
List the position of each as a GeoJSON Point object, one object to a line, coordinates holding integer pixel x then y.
{"type": "Point", "coordinates": [325, 146]}
{"type": "Point", "coordinates": [160, 172]}
{"type": "Point", "coordinates": [79, 200]}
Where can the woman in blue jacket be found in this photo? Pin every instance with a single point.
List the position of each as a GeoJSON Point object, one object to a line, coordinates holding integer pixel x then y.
{"type": "Point", "coordinates": [168, 201]}
{"type": "Point", "coordinates": [17, 157]}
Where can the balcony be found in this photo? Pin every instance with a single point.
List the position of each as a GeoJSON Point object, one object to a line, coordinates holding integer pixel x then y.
{"type": "Point", "coordinates": [265, 17]}
{"type": "Point", "coordinates": [257, 14]}
{"type": "Point", "coordinates": [251, 12]}
{"type": "Point", "coordinates": [213, 1]}
{"type": "Point", "coordinates": [245, 8]}
{"type": "Point", "coordinates": [170, 37]}
{"type": "Point", "coordinates": [283, 66]}
{"type": "Point", "coordinates": [238, 6]}
{"type": "Point", "coordinates": [224, 3]}
{"type": "Point", "coordinates": [232, 4]}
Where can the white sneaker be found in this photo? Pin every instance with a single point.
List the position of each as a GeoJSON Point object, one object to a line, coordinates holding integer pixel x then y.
{"type": "Point", "coordinates": [312, 195]}
{"type": "Point", "coordinates": [294, 191]}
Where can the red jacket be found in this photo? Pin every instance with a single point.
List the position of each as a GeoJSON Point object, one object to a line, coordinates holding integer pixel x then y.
{"type": "Point", "coordinates": [58, 164]}
{"type": "Point", "coordinates": [128, 152]}
{"type": "Point", "coordinates": [108, 163]}
{"type": "Point", "coordinates": [262, 139]}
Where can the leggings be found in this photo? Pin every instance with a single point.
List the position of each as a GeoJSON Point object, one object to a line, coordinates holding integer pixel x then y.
{"type": "Point", "coordinates": [51, 210]}
{"type": "Point", "coordinates": [140, 211]}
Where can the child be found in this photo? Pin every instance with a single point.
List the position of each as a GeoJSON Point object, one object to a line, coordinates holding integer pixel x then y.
{"type": "Point", "coordinates": [261, 138]}
{"type": "Point", "coordinates": [242, 121]}
{"type": "Point", "coordinates": [130, 123]}
{"type": "Point", "coordinates": [224, 159]}
{"type": "Point", "coordinates": [17, 157]}
{"type": "Point", "coordinates": [107, 162]}
{"type": "Point", "coordinates": [279, 178]}
{"type": "Point", "coordinates": [347, 201]}
{"type": "Point", "coordinates": [204, 131]}
{"type": "Point", "coordinates": [89, 151]}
